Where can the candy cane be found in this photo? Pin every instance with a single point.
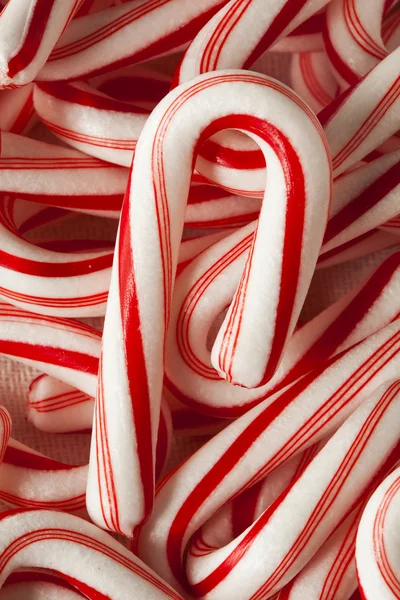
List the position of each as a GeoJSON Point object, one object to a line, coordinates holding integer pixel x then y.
{"type": "Point", "coordinates": [61, 543]}
{"type": "Point", "coordinates": [353, 39]}
{"type": "Point", "coordinates": [363, 200]}
{"type": "Point", "coordinates": [29, 273]}
{"type": "Point", "coordinates": [16, 110]}
{"type": "Point", "coordinates": [322, 509]}
{"type": "Point", "coordinates": [376, 548]}
{"type": "Point", "coordinates": [368, 243]}
{"type": "Point", "coordinates": [123, 35]}
{"type": "Point", "coordinates": [312, 79]}
{"type": "Point", "coordinates": [355, 124]}
{"type": "Point", "coordinates": [307, 37]}
{"type": "Point", "coordinates": [63, 348]}
{"type": "Point", "coordinates": [28, 33]}
{"type": "Point", "coordinates": [204, 289]}
{"type": "Point", "coordinates": [93, 121]}
{"type": "Point", "coordinates": [135, 276]}
{"type": "Point", "coordinates": [260, 441]}
{"type": "Point", "coordinates": [62, 177]}
{"type": "Point", "coordinates": [36, 586]}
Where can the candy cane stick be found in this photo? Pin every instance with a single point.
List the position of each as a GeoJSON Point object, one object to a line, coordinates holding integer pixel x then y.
{"type": "Point", "coordinates": [16, 110]}
{"type": "Point", "coordinates": [376, 549]}
{"type": "Point", "coordinates": [346, 460]}
{"type": "Point", "coordinates": [62, 177]}
{"type": "Point", "coordinates": [368, 243]}
{"type": "Point", "coordinates": [312, 80]}
{"type": "Point", "coordinates": [36, 586]}
{"type": "Point", "coordinates": [63, 348]}
{"type": "Point", "coordinates": [28, 32]}
{"type": "Point", "coordinates": [62, 543]}
{"type": "Point", "coordinates": [204, 289]}
{"type": "Point", "coordinates": [123, 35]}
{"type": "Point", "coordinates": [260, 441]}
{"type": "Point", "coordinates": [82, 278]}
{"type": "Point", "coordinates": [363, 200]}
{"type": "Point", "coordinates": [353, 39]}
{"type": "Point", "coordinates": [171, 127]}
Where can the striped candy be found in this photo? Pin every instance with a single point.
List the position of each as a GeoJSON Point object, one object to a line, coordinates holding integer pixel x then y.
{"type": "Point", "coordinates": [62, 543]}
{"type": "Point", "coordinates": [257, 443]}
{"type": "Point", "coordinates": [140, 294]}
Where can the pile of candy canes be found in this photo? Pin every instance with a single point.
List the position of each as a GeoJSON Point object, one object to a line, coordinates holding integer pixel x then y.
{"type": "Point", "coordinates": [231, 189]}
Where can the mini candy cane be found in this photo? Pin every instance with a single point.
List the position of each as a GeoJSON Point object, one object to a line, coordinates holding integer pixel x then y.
{"type": "Point", "coordinates": [353, 39]}
{"type": "Point", "coordinates": [36, 586]}
{"type": "Point", "coordinates": [204, 289]}
{"type": "Point", "coordinates": [363, 200]}
{"type": "Point", "coordinates": [29, 31]}
{"type": "Point", "coordinates": [62, 543]}
{"type": "Point", "coordinates": [189, 508]}
{"type": "Point", "coordinates": [82, 278]}
{"type": "Point", "coordinates": [62, 177]}
{"type": "Point", "coordinates": [312, 79]}
{"type": "Point", "coordinates": [144, 280]}
{"type": "Point", "coordinates": [123, 35]}
{"type": "Point", "coordinates": [376, 549]}
{"type": "Point", "coordinates": [16, 110]}
{"type": "Point", "coordinates": [260, 441]}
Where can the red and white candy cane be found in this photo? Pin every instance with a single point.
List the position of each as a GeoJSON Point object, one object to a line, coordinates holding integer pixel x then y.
{"type": "Point", "coordinates": [312, 79]}
{"type": "Point", "coordinates": [16, 110]}
{"type": "Point", "coordinates": [122, 35]}
{"type": "Point", "coordinates": [260, 441]}
{"type": "Point", "coordinates": [29, 31]}
{"type": "Point", "coordinates": [363, 200]}
{"type": "Point", "coordinates": [29, 272]}
{"type": "Point", "coordinates": [59, 176]}
{"type": "Point", "coordinates": [377, 544]}
{"type": "Point", "coordinates": [353, 38]}
{"type": "Point", "coordinates": [93, 121]}
{"type": "Point", "coordinates": [368, 243]}
{"type": "Point", "coordinates": [339, 476]}
{"type": "Point", "coordinates": [205, 288]}
{"type": "Point", "coordinates": [61, 543]}
{"type": "Point", "coordinates": [66, 349]}
{"type": "Point", "coordinates": [141, 287]}
{"type": "Point", "coordinates": [35, 586]}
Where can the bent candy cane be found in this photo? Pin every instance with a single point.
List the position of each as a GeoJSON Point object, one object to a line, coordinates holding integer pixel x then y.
{"type": "Point", "coordinates": [28, 273]}
{"type": "Point", "coordinates": [377, 545]}
{"type": "Point", "coordinates": [29, 31]}
{"type": "Point", "coordinates": [260, 441]}
{"type": "Point", "coordinates": [62, 177]}
{"type": "Point", "coordinates": [204, 289]}
{"type": "Point", "coordinates": [17, 114]}
{"type": "Point", "coordinates": [141, 286]}
{"type": "Point", "coordinates": [353, 38]}
{"type": "Point", "coordinates": [286, 549]}
{"type": "Point", "coordinates": [311, 78]}
{"type": "Point", "coordinates": [123, 35]}
{"type": "Point", "coordinates": [61, 543]}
